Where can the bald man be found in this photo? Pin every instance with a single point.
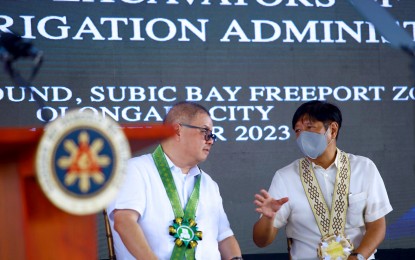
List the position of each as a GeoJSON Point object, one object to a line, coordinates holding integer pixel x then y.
{"type": "Point", "coordinates": [168, 207]}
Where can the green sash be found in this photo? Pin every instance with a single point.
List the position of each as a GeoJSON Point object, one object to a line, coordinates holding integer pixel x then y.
{"type": "Point", "coordinates": [184, 227]}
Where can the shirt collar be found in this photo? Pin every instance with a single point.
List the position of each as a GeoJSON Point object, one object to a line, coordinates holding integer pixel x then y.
{"type": "Point", "coordinates": [194, 171]}
{"type": "Point", "coordinates": [337, 160]}
{"type": "Point", "coordinates": [335, 163]}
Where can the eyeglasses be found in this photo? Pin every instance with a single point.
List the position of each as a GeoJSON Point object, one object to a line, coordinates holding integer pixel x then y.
{"type": "Point", "coordinates": [206, 131]}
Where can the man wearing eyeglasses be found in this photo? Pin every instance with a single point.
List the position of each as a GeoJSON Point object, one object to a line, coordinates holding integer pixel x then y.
{"type": "Point", "coordinates": [168, 208]}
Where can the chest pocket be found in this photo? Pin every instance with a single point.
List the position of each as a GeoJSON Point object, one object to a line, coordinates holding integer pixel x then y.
{"type": "Point", "coordinates": [355, 211]}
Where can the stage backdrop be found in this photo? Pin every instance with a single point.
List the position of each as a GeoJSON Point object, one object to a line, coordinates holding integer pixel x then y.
{"type": "Point", "coordinates": [250, 62]}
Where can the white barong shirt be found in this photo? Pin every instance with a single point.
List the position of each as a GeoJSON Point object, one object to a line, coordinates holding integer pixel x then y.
{"type": "Point", "coordinates": [368, 201]}
{"type": "Point", "coordinates": [143, 191]}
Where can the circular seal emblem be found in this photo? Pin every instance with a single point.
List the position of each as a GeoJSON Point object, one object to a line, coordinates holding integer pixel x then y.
{"type": "Point", "coordinates": [185, 233]}
{"type": "Point", "coordinates": [80, 162]}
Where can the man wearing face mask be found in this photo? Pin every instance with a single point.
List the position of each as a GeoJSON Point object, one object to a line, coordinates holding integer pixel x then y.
{"type": "Point", "coordinates": [332, 203]}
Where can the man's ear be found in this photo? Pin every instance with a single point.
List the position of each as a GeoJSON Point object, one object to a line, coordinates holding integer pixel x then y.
{"type": "Point", "coordinates": [334, 129]}
{"type": "Point", "coordinates": [176, 128]}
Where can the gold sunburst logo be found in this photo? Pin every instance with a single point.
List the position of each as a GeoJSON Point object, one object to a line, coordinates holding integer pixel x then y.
{"type": "Point", "coordinates": [84, 162]}
{"type": "Point", "coordinates": [81, 160]}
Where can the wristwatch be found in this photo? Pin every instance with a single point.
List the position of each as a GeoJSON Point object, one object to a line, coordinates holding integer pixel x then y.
{"type": "Point", "coordinates": [358, 256]}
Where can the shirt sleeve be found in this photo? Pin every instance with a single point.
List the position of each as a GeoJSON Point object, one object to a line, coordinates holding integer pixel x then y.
{"type": "Point", "coordinates": [377, 204]}
{"type": "Point", "coordinates": [277, 190]}
{"type": "Point", "coordinates": [224, 229]}
{"type": "Point", "coordinates": [132, 193]}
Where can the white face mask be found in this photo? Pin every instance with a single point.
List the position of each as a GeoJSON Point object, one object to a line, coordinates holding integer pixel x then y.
{"type": "Point", "coordinates": [312, 144]}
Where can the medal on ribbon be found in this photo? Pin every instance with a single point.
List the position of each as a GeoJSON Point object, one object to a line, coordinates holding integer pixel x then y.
{"type": "Point", "coordinates": [184, 228]}
{"type": "Point", "coordinates": [185, 232]}
{"type": "Point", "coordinates": [334, 245]}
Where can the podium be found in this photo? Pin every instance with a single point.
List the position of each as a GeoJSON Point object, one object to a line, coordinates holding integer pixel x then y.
{"type": "Point", "coordinates": [31, 227]}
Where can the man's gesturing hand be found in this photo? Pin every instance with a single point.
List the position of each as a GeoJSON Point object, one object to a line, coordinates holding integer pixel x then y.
{"type": "Point", "coordinates": [266, 205]}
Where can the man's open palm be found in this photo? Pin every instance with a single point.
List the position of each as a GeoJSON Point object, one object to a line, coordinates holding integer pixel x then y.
{"type": "Point", "coordinates": [267, 205]}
